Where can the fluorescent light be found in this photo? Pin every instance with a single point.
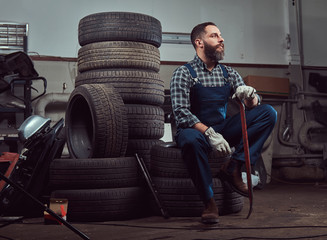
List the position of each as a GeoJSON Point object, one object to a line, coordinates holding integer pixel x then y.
{"type": "Point", "coordinates": [176, 38]}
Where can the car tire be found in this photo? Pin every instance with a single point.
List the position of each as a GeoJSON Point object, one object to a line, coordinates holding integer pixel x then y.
{"type": "Point", "coordinates": [118, 54]}
{"type": "Point", "coordinates": [167, 161]}
{"type": "Point", "coordinates": [143, 149]}
{"type": "Point", "coordinates": [119, 26]}
{"type": "Point", "coordinates": [181, 199]}
{"type": "Point", "coordinates": [135, 86]}
{"type": "Point", "coordinates": [96, 122]}
{"type": "Point", "coordinates": [145, 121]}
{"type": "Point", "coordinates": [93, 173]}
{"type": "Point", "coordinates": [102, 204]}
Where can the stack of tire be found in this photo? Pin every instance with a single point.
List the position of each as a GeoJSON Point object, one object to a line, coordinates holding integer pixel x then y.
{"type": "Point", "coordinates": [177, 192]}
{"type": "Point", "coordinates": [113, 113]}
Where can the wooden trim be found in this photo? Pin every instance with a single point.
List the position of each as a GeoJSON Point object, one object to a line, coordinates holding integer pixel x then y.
{"type": "Point", "coordinates": [179, 63]}
{"type": "Point", "coordinates": [52, 58]}
{"type": "Point", "coordinates": [172, 63]}
{"type": "Point", "coordinates": [319, 68]}
{"type": "Point", "coordinates": [251, 65]}
{"type": "Point", "coordinates": [233, 64]}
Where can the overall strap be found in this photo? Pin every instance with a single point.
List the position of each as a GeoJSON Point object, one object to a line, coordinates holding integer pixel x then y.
{"type": "Point", "coordinates": [192, 72]}
{"type": "Point", "coordinates": [194, 75]}
{"type": "Point", "coordinates": [224, 70]}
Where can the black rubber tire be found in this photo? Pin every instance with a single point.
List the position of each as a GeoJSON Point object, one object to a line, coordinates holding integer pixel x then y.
{"type": "Point", "coordinates": [118, 54]}
{"type": "Point", "coordinates": [135, 86]}
{"type": "Point", "coordinates": [145, 121]}
{"type": "Point", "coordinates": [119, 26]}
{"type": "Point", "coordinates": [93, 173]}
{"type": "Point", "coordinates": [96, 122]}
{"type": "Point", "coordinates": [167, 161]}
{"type": "Point", "coordinates": [143, 148]}
{"type": "Point", "coordinates": [181, 199]}
{"type": "Point", "coordinates": [102, 204]}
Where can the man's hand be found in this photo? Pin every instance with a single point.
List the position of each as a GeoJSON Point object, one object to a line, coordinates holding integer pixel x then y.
{"type": "Point", "coordinates": [217, 141]}
{"type": "Point", "coordinates": [244, 93]}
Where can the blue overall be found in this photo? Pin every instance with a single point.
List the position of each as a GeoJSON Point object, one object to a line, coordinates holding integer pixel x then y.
{"type": "Point", "coordinates": [209, 104]}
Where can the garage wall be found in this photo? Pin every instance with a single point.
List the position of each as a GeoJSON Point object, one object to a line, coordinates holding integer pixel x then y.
{"type": "Point", "coordinates": [254, 31]}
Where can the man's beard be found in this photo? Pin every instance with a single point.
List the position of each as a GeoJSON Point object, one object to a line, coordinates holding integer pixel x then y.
{"type": "Point", "coordinates": [212, 54]}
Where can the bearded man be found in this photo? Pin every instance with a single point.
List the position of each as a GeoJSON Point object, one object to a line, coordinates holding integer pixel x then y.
{"type": "Point", "coordinates": [199, 92]}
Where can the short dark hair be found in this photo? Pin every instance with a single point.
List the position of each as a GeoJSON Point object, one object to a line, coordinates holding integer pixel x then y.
{"type": "Point", "coordinates": [198, 30]}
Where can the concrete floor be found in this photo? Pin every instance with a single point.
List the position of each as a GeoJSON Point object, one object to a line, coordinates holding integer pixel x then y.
{"type": "Point", "coordinates": [280, 211]}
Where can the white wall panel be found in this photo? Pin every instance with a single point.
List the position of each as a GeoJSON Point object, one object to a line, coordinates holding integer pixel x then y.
{"type": "Point", "coordinates": [314, 34]}
{"type": "Point", "coordinates": [254, 30]}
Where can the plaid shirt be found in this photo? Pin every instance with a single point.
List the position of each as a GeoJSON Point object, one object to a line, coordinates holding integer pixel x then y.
{"type": "Point", "coordinates": [182, 82]}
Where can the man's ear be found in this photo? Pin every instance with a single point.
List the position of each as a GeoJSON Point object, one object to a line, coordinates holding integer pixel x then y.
{"type": "Point", "coordinates": [199, 42]}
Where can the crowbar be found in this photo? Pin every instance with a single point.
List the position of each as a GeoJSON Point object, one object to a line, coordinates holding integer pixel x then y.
{"type": "Point", "coordinates": [151, 186]}
{"type": "Point", "coordinates": [246, 156]}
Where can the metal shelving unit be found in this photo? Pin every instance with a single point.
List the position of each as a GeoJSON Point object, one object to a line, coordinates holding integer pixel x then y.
{"type": "Point", "coordinates": [13, 37]}
{"type": "Point", "coordinates": [17, 71]}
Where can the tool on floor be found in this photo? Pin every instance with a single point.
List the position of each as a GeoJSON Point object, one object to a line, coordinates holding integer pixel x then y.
{"type": "Point", "coordinates": [151, 185]}
{"type": "Point", "coordinates": [246, 155]}
{"type": "Point", "coordinates": [46, 209]}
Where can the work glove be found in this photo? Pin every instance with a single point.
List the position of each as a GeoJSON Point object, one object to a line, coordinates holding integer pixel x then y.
{"type": "Point", "coordinates": [217, 142]}
{"type": "Point", "coordinates": [244, 92]}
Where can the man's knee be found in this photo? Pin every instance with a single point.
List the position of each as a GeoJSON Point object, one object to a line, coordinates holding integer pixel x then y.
{"type": "Point", "coordinates": [269, 113]}
{"type": "Point", "coordinates": [190, 138]}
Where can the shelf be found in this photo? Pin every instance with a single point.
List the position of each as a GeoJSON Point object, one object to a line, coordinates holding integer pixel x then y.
{"type": "Point", "coordinates": [11, 110]}
{"type": "Point", "coordinates": [7, 134]}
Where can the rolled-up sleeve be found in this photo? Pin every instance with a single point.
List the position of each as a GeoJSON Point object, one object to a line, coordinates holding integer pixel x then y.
{"type": "Point", "coordinates": [180, 85]}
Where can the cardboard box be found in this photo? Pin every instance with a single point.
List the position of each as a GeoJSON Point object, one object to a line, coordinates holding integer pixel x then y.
{"type": "Point", "coordinates": [59, 206]}
{"type": "Point", "coordinates": [272, 86]}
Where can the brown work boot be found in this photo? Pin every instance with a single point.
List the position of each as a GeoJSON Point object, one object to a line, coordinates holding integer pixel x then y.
{"type": "Point", "coordinates": [230, 173]}
{"type": "Point", "coordinates": [210, 214]}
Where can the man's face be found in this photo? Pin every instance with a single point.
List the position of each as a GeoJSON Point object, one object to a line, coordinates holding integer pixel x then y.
{"type": "Point", "coordinates": [213, 44]}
